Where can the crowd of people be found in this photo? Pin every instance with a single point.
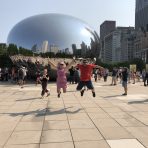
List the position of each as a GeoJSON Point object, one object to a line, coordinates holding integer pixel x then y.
{"type": "Point", "coordinates": [80, 73]}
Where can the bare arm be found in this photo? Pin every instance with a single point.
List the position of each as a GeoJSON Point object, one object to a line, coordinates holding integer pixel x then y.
{"type": "Point", "coordinates": [69, 65]}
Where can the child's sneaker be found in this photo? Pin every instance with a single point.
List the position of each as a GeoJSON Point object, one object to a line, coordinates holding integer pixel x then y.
{"type": "Point", "coordinates": [59, 95]}
{"type": "Point", "coordinates": [94, 94]}
{"type": "Point", "coordinates": [82, 92]}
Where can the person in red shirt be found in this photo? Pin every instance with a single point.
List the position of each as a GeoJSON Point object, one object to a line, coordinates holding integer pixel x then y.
{"type": "Point", "coordinates": [85, 77]}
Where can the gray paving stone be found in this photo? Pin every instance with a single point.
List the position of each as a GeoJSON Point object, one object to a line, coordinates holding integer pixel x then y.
{"type": "Point", "coordinates": [115, 133]}
{"type": "Point", "coordinates": [48, 125]}
{"type": "Point", "coordinates": [56, 117]}
{"type": "Point", "coordinates": [29, 126]}
{"type": "Point", "coordinates": [144, 141]}
{"type": "Point", "coordinates": [57, 145]}
{"type": "Point", "coordinates": [56, 136]}
{"type": "Point", "coordinates": [94, 116]}
{"type": "Point", "coordinates": [78, 116]}
{"type": "Point", "coordinates": [4, 136]}
{"type": "Point", "coordinates": [106, 123]}
{"type": "Point", "coordinates": [125, 143]}
{"type": "Point", "coordinates": [94, 110]}
{"type": "Point", "coordinates": [32, 118]}
{"type": "Point", "coordinates": [80, 124]}
{"type": "Point", "coordinates": [120, 115]}
{"type": "Point", "coordinates": [93, 144]}
{"type": "Point", "coordinates": [23, 146]}
{"type": "Point", "coordinates": [138, 132]}
{"type": "Point", "coordinates": [24, 137]}
{"type": "Point", "coordinates": [129, 122]}
{"type": "Point", "coordinates": [86, 134]}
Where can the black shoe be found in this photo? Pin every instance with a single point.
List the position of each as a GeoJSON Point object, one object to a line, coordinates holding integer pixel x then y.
{"type": "Point", "coordinates": [124, 94]}
{"type": "Point", "coordinates": [82, 92]}
{"type": "Point", "coordinates": [59, 95]}
{"type": "Point", "coordinates": [94, 94]}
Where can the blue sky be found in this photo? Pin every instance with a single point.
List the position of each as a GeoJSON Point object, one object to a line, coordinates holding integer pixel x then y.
{"type": "Point", "coordinates": [94, 12]}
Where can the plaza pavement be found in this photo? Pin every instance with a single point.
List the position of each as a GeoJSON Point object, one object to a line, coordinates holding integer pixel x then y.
{"type": "Point", "coordinates": [107, 121]}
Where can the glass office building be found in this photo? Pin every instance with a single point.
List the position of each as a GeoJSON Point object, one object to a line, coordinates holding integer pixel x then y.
{"type": "Point", "coordinates": [141, 15]}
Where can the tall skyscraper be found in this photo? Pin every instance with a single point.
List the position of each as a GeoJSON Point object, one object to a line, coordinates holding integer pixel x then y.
{"type": "Point", "coordinates": [141, 15]}
{"type": "Point", "coordinates": [105, 28]}
{"type": "Point", "coordinates": [45, 46]}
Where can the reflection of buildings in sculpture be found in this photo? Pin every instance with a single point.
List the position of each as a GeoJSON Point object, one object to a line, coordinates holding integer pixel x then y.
{"type": "Point", "coordinates": [141, 15]}
{"type": "Point", "coordinates": [35, 49]}
{"type": "Point", "coordinates": [74, 49]}
{"type": "Point", "coordinates": [68, 30]}
{"type": "Point", "coordinates": [44, 48]}
{"type": "Point", "coordinates": [67, 51]}
{"type": "Point", "coordinates": [54, 48]}
{"type": "Point", "coordinates": [83, 49]}
{"type": "Point", "coordinates": [95, 41]}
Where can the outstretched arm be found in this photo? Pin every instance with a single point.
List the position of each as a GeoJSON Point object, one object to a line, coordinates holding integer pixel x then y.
{"type": "Point", "coordinates": [69, 65]}
{"type": "Point", "coordinates": [52, 64]}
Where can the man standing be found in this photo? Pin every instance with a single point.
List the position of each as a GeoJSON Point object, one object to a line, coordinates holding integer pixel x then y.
{"type": "Point", "coordinates": [114, 76]}
{"type": "Point", "coordinates": [146, 79]}
{"type": "Point", "coordinates": [85, 77]}
{"type": "Point", "coordinates": [124, 80]}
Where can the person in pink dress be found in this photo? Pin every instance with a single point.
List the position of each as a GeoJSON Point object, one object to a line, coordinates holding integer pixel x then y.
{"type": "Point", "coordinates": [62, 69]}
{"type": "Point", "coordinates": [61, 78]}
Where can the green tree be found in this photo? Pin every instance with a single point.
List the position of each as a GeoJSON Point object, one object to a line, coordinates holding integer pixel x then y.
{"type": "Point", "coordinates": [25, 52]}
{"type": "Point", "coordinates": [3, 48]}
{"type": "Point", "coordinates": [139, 62]}
{"type": "Point", "coordinates": [12, 49]}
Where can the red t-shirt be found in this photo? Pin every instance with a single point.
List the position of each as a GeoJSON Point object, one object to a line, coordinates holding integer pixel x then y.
{"type": "Point", "coordinates": [86, 71]}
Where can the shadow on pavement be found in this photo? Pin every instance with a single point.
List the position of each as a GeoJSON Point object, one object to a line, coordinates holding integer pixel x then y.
{"type": "Point", "coordinates": [113, 96]}
{"type": "Point", "coordinates": [138, 102]}
{"type": "Point", "coordinates": [29, 99]}
{"type": "Point", "coordinates": [44, 112]}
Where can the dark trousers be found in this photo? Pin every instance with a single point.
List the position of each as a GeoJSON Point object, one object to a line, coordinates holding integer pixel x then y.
{"type": "Point", "coordinates": [145, 81]}
{"type": "Point", "coordinates": [71, 79]}
{"type": "Point", "coordinates": [44, 88]}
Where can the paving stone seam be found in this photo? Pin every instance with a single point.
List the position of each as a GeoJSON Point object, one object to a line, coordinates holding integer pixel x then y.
{"type": "Point", "coordinates": [119, 123]}
{"type": "Point", "coordinates": [92, 121]}
{"type": "Point", "coordinates": [15, 127]}
{"type": "Point", "coordinates": [68, 123]}
{"type": "Point", "coordinates": [42, 130]}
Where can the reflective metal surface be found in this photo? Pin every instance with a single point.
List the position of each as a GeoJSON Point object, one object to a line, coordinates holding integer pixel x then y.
{"type": "Point", "coordinates": [60, 30]}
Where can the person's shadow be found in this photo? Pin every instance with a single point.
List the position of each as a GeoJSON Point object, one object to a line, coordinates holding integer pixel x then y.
{"type": "Point", "coordinates": [138, 102]}
{"type": "Point", "coordinates": [44, 112]}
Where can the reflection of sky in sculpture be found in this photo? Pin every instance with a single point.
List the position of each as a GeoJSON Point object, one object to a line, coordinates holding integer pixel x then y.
{"type": "Point", "coordinates": [58, 29]}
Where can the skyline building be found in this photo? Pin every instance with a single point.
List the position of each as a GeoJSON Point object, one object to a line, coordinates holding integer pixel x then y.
{"type": "Point", "coordinates": [105, 28]}
{"type": "Point", "coordinates": [119, 45]}
{"type": "Point", "coordinates": [141, 15]}
{"type": "Point", "coordinates": [54, 48]}
{"type": "Point", "coordinates": [44, 47]}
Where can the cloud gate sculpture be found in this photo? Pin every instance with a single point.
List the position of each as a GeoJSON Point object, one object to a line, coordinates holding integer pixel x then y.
{"type": "Point", "coordinates": [53, 33]}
